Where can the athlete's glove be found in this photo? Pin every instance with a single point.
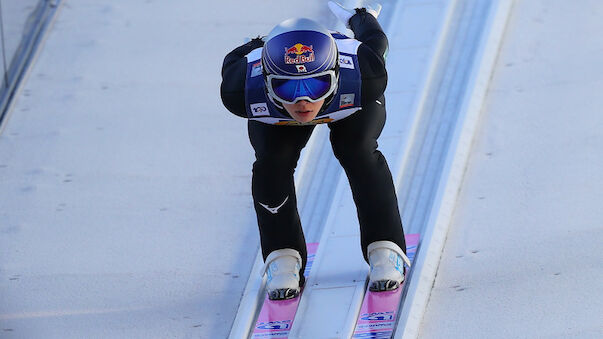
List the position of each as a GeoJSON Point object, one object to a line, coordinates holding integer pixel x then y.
{"type": "Point", "coordinates": [259, 37]}
{"type": "Point", "coordinates": [344, 14]}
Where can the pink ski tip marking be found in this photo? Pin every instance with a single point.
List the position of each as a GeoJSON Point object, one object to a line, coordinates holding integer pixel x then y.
{"type": "Point", "coordinates": [379, 310]}
{"type": "Point", "coordinates": [276, 316]}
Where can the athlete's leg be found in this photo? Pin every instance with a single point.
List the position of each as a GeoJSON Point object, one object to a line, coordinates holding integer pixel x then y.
{"type": "Point", "coordinates": [354, 141]}
{"type": "Point", "coordinates": [277, 150]}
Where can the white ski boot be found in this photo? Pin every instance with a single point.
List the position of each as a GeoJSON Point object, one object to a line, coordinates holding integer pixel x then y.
{"type": "Point", "coordinates": [282, 270]}
{"type": "Point", "coordinates": [387, 266]}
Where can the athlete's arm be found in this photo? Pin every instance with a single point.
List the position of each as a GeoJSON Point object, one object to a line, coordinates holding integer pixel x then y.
{"type": "Point", "coordinates": [371, 54]}
{"type": "Point", "coordinates": [234, 73]}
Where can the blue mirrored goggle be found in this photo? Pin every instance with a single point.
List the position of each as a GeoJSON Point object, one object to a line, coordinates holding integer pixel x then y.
{"type": "Point", "coordinates": [290, 89]}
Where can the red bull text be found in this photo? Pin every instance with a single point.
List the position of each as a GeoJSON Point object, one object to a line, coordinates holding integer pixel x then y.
{"type": "Point", "coordinates": [299, 54]}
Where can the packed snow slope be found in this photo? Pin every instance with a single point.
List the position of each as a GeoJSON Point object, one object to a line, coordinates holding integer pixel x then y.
{"type": "Point", "coordinates": [126, 213]}
{"type": "Point", "coordinates": [125, 209]}
{"type": "Point", "coordinates": [523, 258]}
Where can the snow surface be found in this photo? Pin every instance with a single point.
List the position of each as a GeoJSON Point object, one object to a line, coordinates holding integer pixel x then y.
{"type": "Point", "coordinates": [15, 15]}
{"type": "Point", "coordinates": [125, 209]}
{"type": "Point", "coordinates": [523, 257]}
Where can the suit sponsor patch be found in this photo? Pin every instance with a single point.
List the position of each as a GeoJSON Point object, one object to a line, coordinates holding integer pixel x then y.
{"type": "Point", "coordinates": [346, 100]}
{"type": "Point", "coordinates": [256, 69]}
{"type": "Point", "coordinates": [346, 61]}
{"type": "Point", "coordinates": [259, 109]}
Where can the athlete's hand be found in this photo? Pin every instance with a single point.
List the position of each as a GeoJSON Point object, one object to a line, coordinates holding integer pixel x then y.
{"type": "Point", "coordinates": [259, 37]}
{"type": "Point", "coordinates": [344, 14]}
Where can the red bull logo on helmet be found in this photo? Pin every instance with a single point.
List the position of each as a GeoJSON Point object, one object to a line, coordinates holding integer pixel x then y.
{"type": "Point", "coordinates": [299, 54]}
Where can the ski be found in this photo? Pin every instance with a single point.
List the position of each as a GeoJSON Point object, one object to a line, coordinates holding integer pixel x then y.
{"type": "Point", "coordinates": [276, 316]}
{"type": "Point", "coordinates": [379, 310]}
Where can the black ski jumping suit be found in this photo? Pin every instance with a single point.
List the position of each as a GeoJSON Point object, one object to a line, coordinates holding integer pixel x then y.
{"type": "Point", "coordinates": [354, 142]}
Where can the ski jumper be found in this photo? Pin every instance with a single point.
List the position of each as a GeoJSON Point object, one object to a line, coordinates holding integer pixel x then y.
{"type": "Point", "coordinates": [355, 116]}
